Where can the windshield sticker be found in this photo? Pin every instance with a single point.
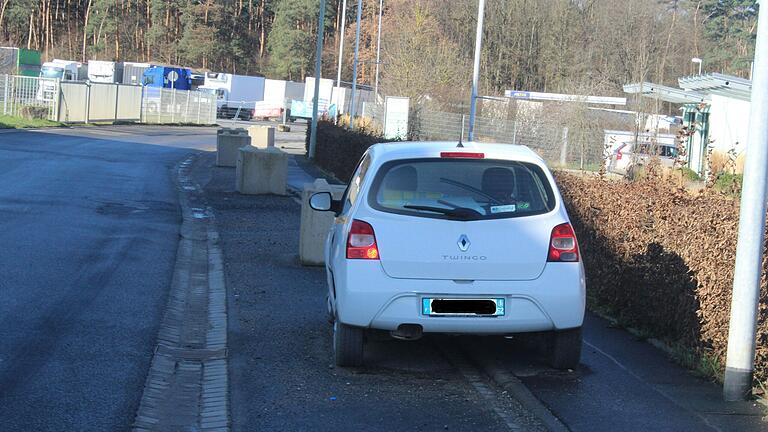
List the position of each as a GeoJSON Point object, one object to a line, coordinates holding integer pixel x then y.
{"type": "Point", "coordinates": [523, 205]}
{"type": "Point", "coordinates": [503, 209]}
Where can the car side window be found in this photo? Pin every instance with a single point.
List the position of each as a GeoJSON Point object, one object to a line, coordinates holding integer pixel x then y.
{"type": "Point", "coordinates": [353, 189]}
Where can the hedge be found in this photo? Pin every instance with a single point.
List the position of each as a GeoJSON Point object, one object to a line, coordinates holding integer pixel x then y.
{"type": "Point", "coordinates": [338, 150]}
{"type": "Point", "coordinates": [661, 259]}
{"type": "Point", "coordinates": [658, 258]}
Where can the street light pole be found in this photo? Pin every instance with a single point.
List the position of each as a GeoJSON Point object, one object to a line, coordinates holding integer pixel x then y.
{"type": "Point", "coordinates": [476, 72]}
{"type": "Point", "coordinates": [341, 50]}
{"type": "Point", "coordinates": [699, 61]}
{"type": "Point", "coordinates": [354, 66]}
{"type": "Point", "coordinates": [740, 359]}
{"type": "Point", "coordinates": [378, 54]}
{"type": "Point", "coordinates": [318, 65]}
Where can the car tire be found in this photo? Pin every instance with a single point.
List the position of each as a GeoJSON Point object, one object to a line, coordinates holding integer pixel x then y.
{"type": "Point", "coordinates": [347, 344]}
{"type": "Point", "coordinates": [565, 348]}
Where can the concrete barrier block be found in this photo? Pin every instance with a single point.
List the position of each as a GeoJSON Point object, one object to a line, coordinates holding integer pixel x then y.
{"type": "Point", "coordinates": [262, 136]}
{"type": "Point", "coordinates": [315, 224]}
{"type": "Point", "coordinates": [227, 145]}
{"type": "Point", "coordinates": [261, 171]}
{"type": "Point", "coordinates": [232, 131]}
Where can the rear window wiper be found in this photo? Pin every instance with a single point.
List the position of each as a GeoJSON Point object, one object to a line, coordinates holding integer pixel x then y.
{"type": "Point", "coordinates": [469, 188]}
{"type": "Point", "coordinates": [458, 212]}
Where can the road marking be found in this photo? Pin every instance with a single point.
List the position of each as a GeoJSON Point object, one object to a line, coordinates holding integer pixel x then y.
{"type": "Point", "coordinates": [188, 386]}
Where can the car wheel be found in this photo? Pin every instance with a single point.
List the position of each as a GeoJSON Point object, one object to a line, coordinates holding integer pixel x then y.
{"type": "Point", "coordinates": [347, 345]}
{"type": "Point", "coordinates": [565, 348]}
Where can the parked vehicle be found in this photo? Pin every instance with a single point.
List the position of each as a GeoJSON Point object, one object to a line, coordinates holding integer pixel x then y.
{"type": "Point", "coordinates": [277, 99]}
{"type": "Point", "coordinates": [627, 158]}
{"type": "Point", "coordinates": [19, 61]}
{"type": "Point", "coordinates": [109, 72]}
{"type": "Point", "coordinates": [236, 95]}
{"type": "Point", "coordinates": [167, 77]}
{"type": "Point", "coordinates": [432, 237]}
{"type": "Point", "coordinates": [65, 70]}
{"type": "Point", "coordinates": [133, 72]}
{"type": "Point", "coordinates": [53, 72]}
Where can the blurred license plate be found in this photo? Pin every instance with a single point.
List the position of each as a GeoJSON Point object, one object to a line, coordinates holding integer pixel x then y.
{"type": "Point", "coordinates": [462, 306]}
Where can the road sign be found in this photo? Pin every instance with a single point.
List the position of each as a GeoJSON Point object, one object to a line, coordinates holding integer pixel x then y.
{"type": "Point", "coordinates": [396, 117]}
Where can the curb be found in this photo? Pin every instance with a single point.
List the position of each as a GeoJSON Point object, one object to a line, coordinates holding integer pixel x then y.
{"type": "Point", "coordinates": [519, 391]}
{"type": "Point", "coordinates": [187, 386]}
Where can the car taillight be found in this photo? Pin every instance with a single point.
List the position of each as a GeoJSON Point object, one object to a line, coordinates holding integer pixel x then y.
{"type": "Point", "coordinates": [462, 155]}
{"type": "Point", "coordinates": [562, 244]}
{"type": "Point", "coordinates": [361, 243]}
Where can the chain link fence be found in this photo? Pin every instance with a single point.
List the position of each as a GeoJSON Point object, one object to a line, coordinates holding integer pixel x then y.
{"type": "Point", "coordinates": [29, 97]}
{"type": "Point", "coordinates": [567, 136]}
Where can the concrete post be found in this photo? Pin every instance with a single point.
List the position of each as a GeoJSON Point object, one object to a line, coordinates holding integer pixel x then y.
{"type": "Point", "coordinates": [740, 360]}
{"type": "Point", "coordinates": [314, 224]}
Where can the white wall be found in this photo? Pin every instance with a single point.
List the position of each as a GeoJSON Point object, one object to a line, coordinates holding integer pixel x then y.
{"type": "Point", "coordinates": [728, 123]}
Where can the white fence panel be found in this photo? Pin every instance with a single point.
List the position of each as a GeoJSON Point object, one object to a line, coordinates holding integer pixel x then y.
{"type": "Point", "coordinates": [29, 97]}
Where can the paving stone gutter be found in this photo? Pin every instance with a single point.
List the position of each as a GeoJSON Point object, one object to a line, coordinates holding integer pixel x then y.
{"type": "Point", "coordinates": [187, 385]}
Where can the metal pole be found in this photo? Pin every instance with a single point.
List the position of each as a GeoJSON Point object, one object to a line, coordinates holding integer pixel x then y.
{"type": "Point", "coordinates": [5, 96]}
{"type": "Point", "coordinates": [87, 103]}
{"type": "Point", "coordinates": [341, 55]}
{"type": "Point", "coordinates": [476, 72]}
{"type": "Point", "coordinates": [378, 55]}
{"type": "Point", "coordinates": [740, 359]}
{"type": "Point", "coordinates": [318, 65]}
{"type": "Point", "coordinates": [354, 65]}
{"type": "Point", "coordinates": [117, 99]}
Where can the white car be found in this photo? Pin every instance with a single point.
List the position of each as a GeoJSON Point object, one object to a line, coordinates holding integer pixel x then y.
{"type": "Point", "coordinates": [627, 157]}
{"type": "Point", "coordinates": [437, 237]}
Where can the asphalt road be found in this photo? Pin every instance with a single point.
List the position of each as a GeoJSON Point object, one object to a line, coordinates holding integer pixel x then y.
{"type": "Point", "coordinates": [89, 225]}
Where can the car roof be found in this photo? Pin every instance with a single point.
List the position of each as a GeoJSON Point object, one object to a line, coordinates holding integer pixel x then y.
{"type": "Point", "coordinates": [432, 149]}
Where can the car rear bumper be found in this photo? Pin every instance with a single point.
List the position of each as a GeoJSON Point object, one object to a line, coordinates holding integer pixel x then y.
{"type": "Point", "coordinates": [369, 298]}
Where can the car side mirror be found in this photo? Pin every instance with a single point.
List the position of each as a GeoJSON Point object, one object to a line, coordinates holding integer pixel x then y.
{"type": "Point", "coordinates": [321, 201]}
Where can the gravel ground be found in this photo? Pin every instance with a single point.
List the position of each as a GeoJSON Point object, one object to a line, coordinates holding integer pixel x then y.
{"type": "Point", "coordinates": [281, 370]}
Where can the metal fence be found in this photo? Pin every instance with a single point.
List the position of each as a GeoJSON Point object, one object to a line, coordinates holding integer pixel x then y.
{"type": "Point", "coordinates": [556, 142]}
{"type": "Point", "coordinates": [177, 106]}
{"type": "Point", "coordinates": [83, 102]}
{"type": "Point", "coordinates": [29, 97]}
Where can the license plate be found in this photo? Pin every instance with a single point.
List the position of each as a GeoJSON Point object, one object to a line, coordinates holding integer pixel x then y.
{"type": "Point", "coordinates": [468, 307]}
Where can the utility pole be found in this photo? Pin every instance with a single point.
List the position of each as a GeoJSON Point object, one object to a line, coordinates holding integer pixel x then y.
{"type": "Point", "coordinates": [378, 54]}
{"type": "Point", "coordinates": [740, 360]}
{"type": "Point", "coordinates": [354, 66]}
{"type": "Point", "coordinates": [318, 65]}
{"type": "Point", "coordinates": [341, 52]}
{"type": "Point", "coordinates": [476, 72]}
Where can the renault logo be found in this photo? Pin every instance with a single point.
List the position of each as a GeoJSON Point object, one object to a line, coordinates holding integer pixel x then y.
{"type": "Point", "coordinates": [463, 243]}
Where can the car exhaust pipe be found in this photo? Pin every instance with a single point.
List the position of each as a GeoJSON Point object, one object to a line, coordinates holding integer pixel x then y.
{"type": "Point", "coordinates": [407, 332]}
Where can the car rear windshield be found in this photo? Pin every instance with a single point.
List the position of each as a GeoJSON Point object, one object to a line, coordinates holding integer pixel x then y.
{"type": "Point", "coordinates": [462, 189]}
